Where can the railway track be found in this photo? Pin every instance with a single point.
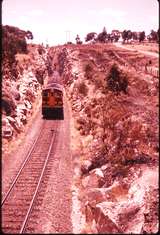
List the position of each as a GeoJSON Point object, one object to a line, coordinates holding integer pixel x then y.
{"type": "Point", "coordinates": [20, 205]}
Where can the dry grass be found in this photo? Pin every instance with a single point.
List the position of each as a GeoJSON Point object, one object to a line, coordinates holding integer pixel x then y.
{"type": "Point", "coordinates": [21, 58]}
{"type": "Point", "coordinates": [151, 47]}
{"type": "Point", "coordinates": [113, 110]}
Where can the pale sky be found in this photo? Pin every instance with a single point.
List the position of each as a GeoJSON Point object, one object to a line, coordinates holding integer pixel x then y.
{"type": "Point", "coordinates": [49, 20]}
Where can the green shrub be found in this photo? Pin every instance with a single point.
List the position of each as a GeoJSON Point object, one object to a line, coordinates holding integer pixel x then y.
{"type": "Point", "coordinates": [82, 88]}
{"type": "Point", "coordinates": [41, 50]}
{"type": "Point", "coordinates": [40, 76]}
{"type": "Point", "coordinates": [61, 58]}
{"type": "Point", "coordinates": [116, 80]}
{"type": "Point", "coordinates": [88, 71]}
{"type": "Point", "coordinates": [13, 42]}
{"type": "Point", "coordinates": [8, 105]}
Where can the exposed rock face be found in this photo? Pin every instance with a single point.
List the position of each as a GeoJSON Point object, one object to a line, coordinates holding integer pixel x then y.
{"type": "Point", "coordinates": [118, 138]}
{"type": "Point", "coordinates": [115, 147]}
{"type": "Point", "coordinates": [20, 94]}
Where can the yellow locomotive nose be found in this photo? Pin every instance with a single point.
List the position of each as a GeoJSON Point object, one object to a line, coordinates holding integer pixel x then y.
{"type": "Point", "coordinates": [52, 101]}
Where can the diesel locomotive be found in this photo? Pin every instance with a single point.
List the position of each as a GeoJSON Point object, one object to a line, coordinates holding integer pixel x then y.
{"type": "Point", "coordinates": [52, 102]}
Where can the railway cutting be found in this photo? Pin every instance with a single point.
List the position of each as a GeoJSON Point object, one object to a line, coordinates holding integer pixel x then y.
{"type": "Point", "coordinates": [19, 201]}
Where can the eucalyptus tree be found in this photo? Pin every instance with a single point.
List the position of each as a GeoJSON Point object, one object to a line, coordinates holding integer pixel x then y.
{"type": "Point", "coordinates": [78, 41]}
{"type": "Point", "coordinates": [126, 35]}
{"type": "Point", "coordinates": [142, 36]}
{"type": "Point", "coordinates": [102, 37]}
{"type": "Point", "coordinates": [90, 36]}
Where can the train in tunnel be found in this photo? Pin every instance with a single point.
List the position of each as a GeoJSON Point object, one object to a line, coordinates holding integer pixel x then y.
{"type": "Point", "coordinates": [52, 102]}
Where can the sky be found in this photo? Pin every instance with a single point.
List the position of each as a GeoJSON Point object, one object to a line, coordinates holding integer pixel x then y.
{"type": "Point", "coordinates": [54, 22]}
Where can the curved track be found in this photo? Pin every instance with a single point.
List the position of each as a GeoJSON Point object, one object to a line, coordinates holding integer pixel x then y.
{"type": "Point", "coordinates": [19, 202]}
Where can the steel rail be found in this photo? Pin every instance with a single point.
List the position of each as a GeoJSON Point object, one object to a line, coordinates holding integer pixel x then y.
{"type": "Point", "coordinates": [39, 182]}
{"type": "Point", "coordinates": [22, 166]}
